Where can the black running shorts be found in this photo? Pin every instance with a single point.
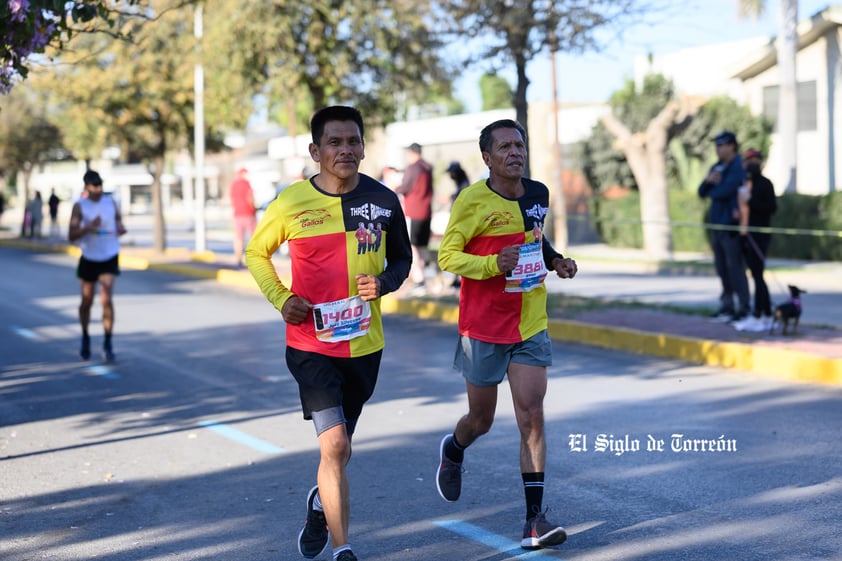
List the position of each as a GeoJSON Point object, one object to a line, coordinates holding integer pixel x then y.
{"type": "Point", "coordinates": [89, 271]}
{"type": "Point", "coordinates": [329, 381]}
{"type": "Point", "coordinates": [419, 232]}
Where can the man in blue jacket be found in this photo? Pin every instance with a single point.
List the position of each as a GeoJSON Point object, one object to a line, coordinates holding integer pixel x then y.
{"type": "Point", "coordinates": [721, 186]}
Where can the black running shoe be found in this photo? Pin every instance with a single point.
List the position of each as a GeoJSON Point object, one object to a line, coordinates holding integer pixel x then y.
{"type": "Point", "coordinates": [449, 475]}
{"type": "Point", "coordinates": [313, 537]}
{"type": "Point", "coordinates": [347, 555]}
{"type": "Point", "coordinates": [537, 533]}
{"type": "Point", "coordinates": [85, 349]}
{"type": "Point", "coordinates": [107, 352]}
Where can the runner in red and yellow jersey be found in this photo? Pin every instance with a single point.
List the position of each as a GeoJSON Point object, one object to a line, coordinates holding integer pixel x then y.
{"type": "Point", "coordinates": [334, 332]}
{"type": "Point", "coordinates": [494, 241]}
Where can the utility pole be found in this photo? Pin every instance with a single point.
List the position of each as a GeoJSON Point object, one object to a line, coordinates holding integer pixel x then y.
{"type": "Point", "coordinates": [558, 204]}
{"type": "Point", "coordinates": [199, 133]}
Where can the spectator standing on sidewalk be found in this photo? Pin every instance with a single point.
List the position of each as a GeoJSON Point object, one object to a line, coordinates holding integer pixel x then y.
{"type": "Point", "coordinates": [53, 203]}
{"type": "Point", "coordinates": [494, 240]}
{"type": "Point", "coordinates": [460, 181]}
{"type": "Point", "coordinates": [245, 213]}
{"type": "Point", "coordinates": [36, 215]}
{"type": "Point", "coordinates": [721, 185]}
{"type": "Point", "coordinates": [334, 331]}
{"type": "Point", "coordinates": [459, 177]}
{"type": "Point", "coordinates": [757, 205]}
{"type": "Point", "coordinates": [417, 190]}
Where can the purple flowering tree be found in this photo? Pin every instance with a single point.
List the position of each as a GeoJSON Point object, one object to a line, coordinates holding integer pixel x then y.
{"type": "Point", "coordinates": [28, 26]}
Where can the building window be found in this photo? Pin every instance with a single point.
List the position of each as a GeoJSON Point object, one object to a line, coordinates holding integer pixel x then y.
{"type": "Point", "coordinates": [807, 105]}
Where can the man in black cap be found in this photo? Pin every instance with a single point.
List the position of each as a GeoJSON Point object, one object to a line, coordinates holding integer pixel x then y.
{"type": "Point", "coordinates": [721, 185]}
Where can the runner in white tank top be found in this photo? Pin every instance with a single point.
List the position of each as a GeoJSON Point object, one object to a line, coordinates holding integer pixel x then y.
{"type": "Point", "coordinates": [96, 225]}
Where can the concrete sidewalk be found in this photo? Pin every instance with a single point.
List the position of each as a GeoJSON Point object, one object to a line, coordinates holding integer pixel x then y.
{"type": "Point", "coordinates": [612, 276]}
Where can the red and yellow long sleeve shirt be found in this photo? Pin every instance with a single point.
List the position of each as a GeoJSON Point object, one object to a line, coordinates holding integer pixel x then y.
{"type": "Point", "coordinates": [482, 222]}
{"type": "Point", "coordinates": [332, 239]}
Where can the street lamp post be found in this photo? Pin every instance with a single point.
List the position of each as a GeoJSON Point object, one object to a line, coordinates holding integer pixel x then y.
{"type": "Point", "coordinates": [559, 205]}
{"type": "Point", "coordinates": [199, 133]}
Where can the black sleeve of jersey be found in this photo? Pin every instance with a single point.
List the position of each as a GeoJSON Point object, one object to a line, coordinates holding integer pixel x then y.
{"type": "Point", "coordinates": [398, 254]}
{"type": "Point", "coordinates": [549, 252]}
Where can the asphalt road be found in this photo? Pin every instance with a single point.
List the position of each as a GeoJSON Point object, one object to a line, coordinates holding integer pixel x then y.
{"type": "Point", "coordinates": [192, 447]}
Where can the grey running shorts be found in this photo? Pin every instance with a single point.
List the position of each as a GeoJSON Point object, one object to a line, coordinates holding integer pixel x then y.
{"type": "Point", "coordinates": [485, 364]}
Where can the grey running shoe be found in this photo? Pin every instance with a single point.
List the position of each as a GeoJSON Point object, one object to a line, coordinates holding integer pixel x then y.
{"type": "Point", "coordinates": [537, 533]}
{"type": "Point", "coordinates": [313, 537]}
{"type": "Point", "coordinates": [449, 475]}
{"type": "Point", "coordinates": [347, 555]}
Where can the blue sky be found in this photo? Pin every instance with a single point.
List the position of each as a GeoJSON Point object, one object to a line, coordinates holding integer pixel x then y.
{"type": "Point", "coordinates": [592, 77]}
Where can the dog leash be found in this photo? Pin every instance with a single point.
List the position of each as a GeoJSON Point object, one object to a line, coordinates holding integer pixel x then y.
{"type": "Point", "coordinates": [762, 257]}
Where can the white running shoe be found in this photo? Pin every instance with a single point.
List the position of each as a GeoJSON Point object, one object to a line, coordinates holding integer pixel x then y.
{"type": "Point", "coordinates": [753, 324]}
{"type": "Point", "coordinates": [744, 324]}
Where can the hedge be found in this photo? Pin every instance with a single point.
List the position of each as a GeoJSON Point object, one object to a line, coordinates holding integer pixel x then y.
{"type": "Point", "coordinates": [802, 219]}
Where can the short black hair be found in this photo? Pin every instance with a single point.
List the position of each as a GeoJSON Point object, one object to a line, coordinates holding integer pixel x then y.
{"type": "Point", "coordinates": [92, 178]}
{"type": "Point", "coordinates": [485, 134]}
{"type": "Point", "coordinates": [334, 113]}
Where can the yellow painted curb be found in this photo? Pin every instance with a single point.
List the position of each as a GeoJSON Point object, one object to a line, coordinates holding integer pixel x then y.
{"type": "Point", "coordinates": [132, 262]}
{"type": "Point", "coordinates": [780, 363]}
{"type": "Point", "coordinates": [186, 270]}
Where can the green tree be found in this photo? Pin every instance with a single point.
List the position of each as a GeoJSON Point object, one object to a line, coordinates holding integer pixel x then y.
{"type": "Point", "coordinates": [642, 122]}
{"type": "Point", "coordinates": [28, 27]}
{"type": "Point", "coordinates": [27, 137]}
{"type": "Point", "coordinates": [495, 91]}
{"type": "Point", "coordinates": [516, 32]}
{"type": "Point", "coordinates": [651, 142]}
{"type": "Point", "coordinates": [692, 151]}
{"type": "Point", "coordinates": [379, 55]}
{"type": "Point", "coordinates": [603, 164]}
{"type": "Point", "coordinates": [138, 94]}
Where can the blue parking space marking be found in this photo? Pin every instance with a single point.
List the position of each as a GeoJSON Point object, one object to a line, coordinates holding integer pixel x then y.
{"type": "Point", "coordinates": [23, 332]}
{"type": "Point", "coordinates": [492, 540]}
{"type": "Point", "coordinates": [103, 371]}
{"type": "Point", "coordinates": [241, 437]}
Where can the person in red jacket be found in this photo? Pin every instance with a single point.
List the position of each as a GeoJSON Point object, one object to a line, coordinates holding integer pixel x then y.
{"type": "Point", "coordinates": [245, 214]}
{"type": "Point", "coordinates": [417, 190]}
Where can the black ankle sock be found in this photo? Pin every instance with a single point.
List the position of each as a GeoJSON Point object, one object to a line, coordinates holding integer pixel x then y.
{"type": "Point", "coordinates": [107, 342]}
{"type": "Point", "coordinates": [454, 450]}
{"type": "Point", "coordinates": [533, 489]}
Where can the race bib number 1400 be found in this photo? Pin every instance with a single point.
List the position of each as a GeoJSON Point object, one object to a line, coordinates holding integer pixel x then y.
{"type": "Point", "coordinates": [342, 320]}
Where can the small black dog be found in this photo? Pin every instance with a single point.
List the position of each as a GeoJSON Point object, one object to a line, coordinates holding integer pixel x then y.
{"type": "Point", "coordinates": [789, 310]}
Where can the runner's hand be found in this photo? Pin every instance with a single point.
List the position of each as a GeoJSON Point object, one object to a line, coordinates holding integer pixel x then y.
{"type": "Point", "coordinates": [507, 258]}
{"type": "Point", "coordinates": [296, 310]}
{"type": "Point", "coordinates": [565, 268]}
{"type": "Point", "coordinates": [368, 287]}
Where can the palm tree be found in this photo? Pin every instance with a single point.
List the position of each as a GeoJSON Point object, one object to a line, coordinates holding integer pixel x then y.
{"type": "Point", "coordinates": [787, 49]}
